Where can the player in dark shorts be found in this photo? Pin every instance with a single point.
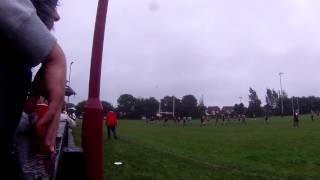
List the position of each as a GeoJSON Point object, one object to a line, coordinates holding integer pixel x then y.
{"type": "Point", "coordinates": [166, 118]}
{"type": "Point", "coordinates": [296, 120]}
{"type": "Point", "coordinates": [217, 118]}
{"type": "Point", "coordinates": [184, 120]}
{"type": "Point", "coordinates": [312, 116]}
{"type": "Point", "coordinates": [243, 119]}
{"type": "Point", "coordinates": [202, 121]}
{"type": "Point", "coordinates": [223, 118]}
{"type": "Point", "coordinates": [228, 117]}
{"type": "Point", "coordinates": [266, 118]}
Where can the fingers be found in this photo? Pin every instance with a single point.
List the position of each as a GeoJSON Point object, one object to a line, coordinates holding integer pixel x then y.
{"type": "Point", "coordinates": [43, 123]}
{"type": "Point", "coordinates": [46, 129]}
{"type": "Point", "coordinates": [50, 138]}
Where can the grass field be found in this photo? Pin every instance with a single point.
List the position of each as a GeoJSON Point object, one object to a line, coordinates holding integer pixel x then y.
{"type": "Point", "coordinates": [253, 151]}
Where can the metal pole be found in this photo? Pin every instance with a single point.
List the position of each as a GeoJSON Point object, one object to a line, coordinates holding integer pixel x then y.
{"type": "Point", "coordinates": [69, 79]}
{"type": "Point", "coordinates": [298, 105]}
{"type": "Point", "coordinates": [160, 107]}
{"type": "Point", "coordinates": [92, 132]}
{"type": "Point", "coordinates": [281, 93]}
{"type": "Point", "coordinates": [292, 105]}
{"type": "Point", "coordinates": [173, 106]}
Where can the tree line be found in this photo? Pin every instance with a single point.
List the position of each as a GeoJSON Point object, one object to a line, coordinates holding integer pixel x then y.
{"type": "Point", "coordinates": [132, 107]}
{"type": "Point", "coordinates": [274, 101]}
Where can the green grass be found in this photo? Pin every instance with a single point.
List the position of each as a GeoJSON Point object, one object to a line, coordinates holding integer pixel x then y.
{"type": "Point", "coordinates": [253, 151]}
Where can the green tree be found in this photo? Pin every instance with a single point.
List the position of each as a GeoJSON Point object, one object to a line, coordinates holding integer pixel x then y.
{"type": "Point", "coordinates": [239, 108]}
{"type": "Point", "coordinates": [272, 100]}
{"type": "Point", "coordinates": [80, 108]}
{"type": "Point", "coordinates": [106, 107]}
{"type": "Point", "coordinates": [201, 108]}
{"type": "Point", "coordinates": [189, 105]}
{"type": "Point", "coordinates": [151, 106]}
{"type": "Point", "coordinates": [254, 108]}
{"type": "Point", "coordinates": [126, 104]}
{"type": "Point", "coordinates": [167, 104]}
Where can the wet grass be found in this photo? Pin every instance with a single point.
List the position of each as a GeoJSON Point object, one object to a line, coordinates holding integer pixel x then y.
{"type": "Point", "coordinates": [233, 151]}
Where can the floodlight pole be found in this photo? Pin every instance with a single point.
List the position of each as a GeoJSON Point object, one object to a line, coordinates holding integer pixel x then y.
{"type": "Point", "coordinates": [281, 93]}
{"type": "Point", "coordinates": [160, 107]}
{"type": "Point", "coordinates": [69, 79]}
{"type": "Point", "coordinates": [173, 106]}
{"type": "Point", "coordinates": [298, 105]}
{"type": "Point", "coordinates": [92, 132]}
{"type": "Point", "coordinates": [292, 105]}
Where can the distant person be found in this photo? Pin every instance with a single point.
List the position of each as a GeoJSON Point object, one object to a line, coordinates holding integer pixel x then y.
{"type": "Point", "coordinates": [65, 117]}
{"type": "Point", "coordinates": [239, 118]}
{"type": "Point", "coordinates": [228, 117]}
{"type": "Point", "coordinates": [166, 119]}
{"type": "Point", "coordinates": [223, 117]}
{"type": "Point", "coordinates": [266, 118]}
{"type": "Point", "coordinates": [184, 119]}
{"type": "Point", "coordinates": [217, 119]}
{"type": "Point", "coordinates": [312, 116]}
{"type": "Point", "coordinates": [179, 119]}
{"type": "Point", "coordinates": [71, 113]}
{"type": "Point", "coordinates": [111, 122]}
{"type": "Point", "coordinates": [145, 119]}
{"type": "Point", "coordinates": [203, 120]}
{"type": "Point", "coordinates": [189, 119]}
{"type": "Point", "coordinates": [296, 119]}
{"type": "Point", "coordinates": [243, 119]}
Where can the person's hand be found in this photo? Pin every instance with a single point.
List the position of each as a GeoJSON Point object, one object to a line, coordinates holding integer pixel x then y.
{"type": "Point", "coordinates": [50, 83]}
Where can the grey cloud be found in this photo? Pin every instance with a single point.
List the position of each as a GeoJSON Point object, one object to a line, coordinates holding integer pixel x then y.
{"type": "Point", "coordinates": [218, 48]}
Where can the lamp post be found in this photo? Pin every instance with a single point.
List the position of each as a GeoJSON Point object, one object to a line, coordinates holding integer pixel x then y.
{"type": "Point", "coordinates": [173, 102]}
{"type": "Point", "coordinates": [160, 107]}
{"type": "Point", "coordinates": [281, 93]}
{"type": "Point", "coordinates": [69, 79]}
{"type": "Point", "coordinates": [92, 132]}
{"type": "Point", "coordinates": [298, 105]}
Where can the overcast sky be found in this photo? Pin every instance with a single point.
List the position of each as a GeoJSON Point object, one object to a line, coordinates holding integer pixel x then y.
{"type": "Point", "coordinates": [214, 48]}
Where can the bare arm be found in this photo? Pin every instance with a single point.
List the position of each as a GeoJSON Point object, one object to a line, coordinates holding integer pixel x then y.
{"type": "Point", "coordinates": [50, 83]}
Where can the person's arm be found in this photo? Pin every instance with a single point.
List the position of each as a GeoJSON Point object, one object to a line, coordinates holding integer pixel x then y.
{"type": "Point", "coordinates": [24, 31]}
{"type": "Point", "coordinates": [20, 25]}
{"type": "Point", "coordinates": [50, 83]}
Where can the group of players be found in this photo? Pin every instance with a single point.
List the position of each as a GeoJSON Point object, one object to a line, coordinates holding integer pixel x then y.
{"type": "Point", "coordinates": [219, 119]}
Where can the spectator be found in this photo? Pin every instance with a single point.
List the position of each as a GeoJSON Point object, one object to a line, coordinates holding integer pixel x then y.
{"type": "Point", "coordinates": [65, 117]}
{"type": "Point", "coordinates": [25, 41]}
{"type": "Point", "coordinates": [111, 122]}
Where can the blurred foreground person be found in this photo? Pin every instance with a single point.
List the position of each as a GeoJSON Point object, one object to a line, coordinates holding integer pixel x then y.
{"type": "Point", "coordinates": [25, 42]}
{"type": "Point", "coordinates": [111, 122]}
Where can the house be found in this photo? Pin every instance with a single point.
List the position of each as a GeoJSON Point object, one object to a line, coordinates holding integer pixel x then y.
{"type": "Point", "coordinates": [213, 110]}
{"type": "Point", "coordinates": [227, 109]}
